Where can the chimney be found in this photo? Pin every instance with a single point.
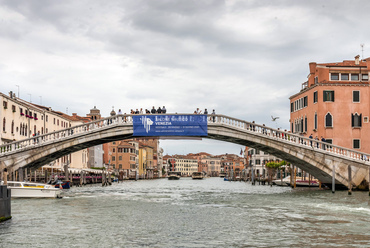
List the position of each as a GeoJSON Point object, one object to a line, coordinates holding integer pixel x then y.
{"type": "Point", "coordinates": [11, 94]}
{"type": "Point", "coordinates": [357, 60]}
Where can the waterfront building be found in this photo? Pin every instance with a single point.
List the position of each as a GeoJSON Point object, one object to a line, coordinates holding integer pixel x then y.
{"type": "Point", "coordinates": [257, 160]}
{"type": "Point", "coordinates": [21, 120]}
{"type": "Point", "coordinates": [334, 104]}
{"type": "Point", "coordinates": [184, 164]}
{"type": "Point", "coordinates": [146, 165]}
{"type": "Point", "coordinates": [213, 165]}
{"type": "Point", "coordinates": [124, 157]}
{"type": "Point", "coordinates": [96, 153]}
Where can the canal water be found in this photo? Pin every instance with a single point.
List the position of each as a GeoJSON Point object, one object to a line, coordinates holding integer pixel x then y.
{"type": "Point", "coordinates": [190, 213]}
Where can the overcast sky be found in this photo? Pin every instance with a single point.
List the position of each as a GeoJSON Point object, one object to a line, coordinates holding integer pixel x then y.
{"type": "Point", "coordinates": [242, 58]}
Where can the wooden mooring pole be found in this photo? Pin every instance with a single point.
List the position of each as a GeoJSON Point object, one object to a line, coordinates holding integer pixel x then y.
{"type": "Point", "coordinates": [333, 181]}
{"type": "Point", "coordinates": [349, 180]}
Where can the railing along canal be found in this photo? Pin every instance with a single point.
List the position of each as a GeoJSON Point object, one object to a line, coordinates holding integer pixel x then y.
{"type": "Point", "coordinates": [249, 127]}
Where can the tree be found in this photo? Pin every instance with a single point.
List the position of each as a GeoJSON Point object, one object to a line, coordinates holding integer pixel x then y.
{"type": "Point", "coordinates": [273, 167]}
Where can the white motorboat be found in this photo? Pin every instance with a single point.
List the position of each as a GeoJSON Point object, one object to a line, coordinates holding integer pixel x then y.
{"type": "Point", "coordinates": [33, 190]}
{"type": "Point", "coordinates": [300, 182]}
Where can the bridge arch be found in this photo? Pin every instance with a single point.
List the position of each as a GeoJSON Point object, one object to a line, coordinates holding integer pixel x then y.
{"type": "Point", "coordinates": [315, 157]}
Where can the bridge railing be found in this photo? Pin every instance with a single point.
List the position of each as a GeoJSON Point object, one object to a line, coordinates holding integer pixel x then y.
{"type": "Point", "coordinates": [74, 131]}
{"type": "Point", "coordinates": [288, 137]}
{"type": "Point", "coordinates": [250, 127]}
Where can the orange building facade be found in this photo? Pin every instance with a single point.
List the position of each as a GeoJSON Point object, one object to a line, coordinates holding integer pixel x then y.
{"type": "Point", "coordinates": [334, 104]}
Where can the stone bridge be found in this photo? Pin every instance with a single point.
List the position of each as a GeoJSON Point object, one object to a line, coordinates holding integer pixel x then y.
{"type": "Point", "coordinates": [317, 158]}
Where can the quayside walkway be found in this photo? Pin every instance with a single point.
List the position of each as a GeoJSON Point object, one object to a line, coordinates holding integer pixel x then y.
{"type": "Point", "coordinates": [322, 160]}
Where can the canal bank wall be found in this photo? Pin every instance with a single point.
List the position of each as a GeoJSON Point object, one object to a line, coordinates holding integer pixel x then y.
{"type": "Point", "coordinates": [5, 207]}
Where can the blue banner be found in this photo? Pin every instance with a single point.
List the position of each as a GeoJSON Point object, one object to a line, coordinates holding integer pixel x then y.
{"type": "Point", "coordinates": [170, 125]}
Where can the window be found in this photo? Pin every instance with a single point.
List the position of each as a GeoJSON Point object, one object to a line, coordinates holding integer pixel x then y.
{"type": "Point", "coordinates": [291, 107]}
{"type": "Point", "coordinates": [366, 119]}
{"type": "Point", "coordinates": [328, 95]}
{"type": "Point", "coordinates": [344, 76]}
{"type": "Point", "coordinates": [4, 122]}
{"type": "Point", "coordinates": [47, 118]}
{"type": "Point", "coordinates": [305, 124]}
{"type": "Point", "coordinates": [334, 76]}
{"type": "Point", "coordinates": [113, 158]}
{"type": "Point", "coordinates": [258, 161]}
{"type": "Point", "coordinates": [5, 104]}
{"type": "Point", "coordinates": [114, 149]}
{"type": "Point", "coordinates": [354, 77]}
{"type": "Point", "coordinates": [316, 80]}
{"type": "Point", "coordinates": [315, 124]}
{"type": "Point", "coordinates": [356, 120]}
{"type": "Point", "coordinates": [305, 102]}
{"type": "Point", "coordinates": [120, 158]}
{"type": "Point", "coordinates": [356, 144]}
{"type": "Point", "coordinates": [315, 97]}
{"type": "Point", "coordinates": [365, 77]}
{"type": "Point", "coordinates": [328, 120]}
{"type": "Point", "coordinates": [356, 96]}
{"type": "Point", "coordinates": [13, 108]}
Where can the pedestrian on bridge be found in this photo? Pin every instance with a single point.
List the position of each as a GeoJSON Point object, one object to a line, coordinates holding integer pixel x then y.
{"type": "Point", "coordinates": [310, 137]}
{"type": "Point", "coordinates": [153, 110]}
{"type": "Point", "coordinates": [205, 111]}
{"type": "Point", "coordinates": [214, 115]}
{"type": "Point", "coordinates": [159, 110]}
{"type": "Point", "coordinates": [323, 145]}
{"type": "Point", "coordinates": [164, 110]}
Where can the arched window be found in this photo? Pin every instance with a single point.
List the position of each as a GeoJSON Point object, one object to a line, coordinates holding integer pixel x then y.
{"type": "Point", "coordinates": [328, 120]}
{"type": "Point", "coordinates": [356, 120]}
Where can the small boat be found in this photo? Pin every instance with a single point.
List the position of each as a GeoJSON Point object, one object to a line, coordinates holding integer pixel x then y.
{"type": "Point", "coordinates": [197, 175]}
{"type": "Point", "coordinates": [31, 190]}
{"type": "Point", "coordinates": [173, 175]}
{"type": "Point", "coordinates": [284, 182]}
{"type": "Point", "coordinates": [222, 174]}
{"type": "Point", "coordinates": [300, 182]}
{"type": "Point", "coordinates": [63, 185]}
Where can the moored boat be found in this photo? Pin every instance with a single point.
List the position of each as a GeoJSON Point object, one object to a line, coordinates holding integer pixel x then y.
{"type": "Point", "coordinates": [197, 175]}
{"type": "Point", "coordinates": [300, 182]}
{"type": "Point", "coordinates": [173, 175]}
{"type": "Point", "coordinates": [33, 190]}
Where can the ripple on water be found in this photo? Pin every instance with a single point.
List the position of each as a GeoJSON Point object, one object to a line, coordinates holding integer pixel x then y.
{"type": "Point", "coordinates": [187, 213]}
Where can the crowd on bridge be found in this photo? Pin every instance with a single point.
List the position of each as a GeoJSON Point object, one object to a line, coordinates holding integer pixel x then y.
{"type": "Point", "coordinates": [160, 110]}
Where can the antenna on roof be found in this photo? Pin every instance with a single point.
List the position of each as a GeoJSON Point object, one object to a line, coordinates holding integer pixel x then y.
{"type": "Point", "coordinates": [362, 50]}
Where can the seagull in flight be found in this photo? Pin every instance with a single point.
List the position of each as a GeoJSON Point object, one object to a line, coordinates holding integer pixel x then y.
{"type": "Point", "coordinates": [274, 118]}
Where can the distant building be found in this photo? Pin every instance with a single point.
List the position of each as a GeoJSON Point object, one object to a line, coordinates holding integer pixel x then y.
{"type": "Point", "coordinates": [334, 103]}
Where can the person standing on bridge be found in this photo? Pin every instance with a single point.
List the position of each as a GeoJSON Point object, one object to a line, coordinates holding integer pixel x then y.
{"type": "Point", "coordinates": [310, 137]}
{"type": "Point", "coordinates": [317, 143]}
{"type": "Point", "coordinates": [164, 110]}
{"type": "Point", "coordinates": [159, 110]}
{"type": "Point", "coordinates": [214, 115]}
{"type": "Point", "coordinates": [205, 111]}
{"type": "Point", "coordinates": [153, 110]}
{"type": "Point", "coordinates": [323, 145]}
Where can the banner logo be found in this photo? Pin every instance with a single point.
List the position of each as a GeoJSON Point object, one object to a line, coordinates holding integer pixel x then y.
{"type": "Point", "coordinates": [147, 122]}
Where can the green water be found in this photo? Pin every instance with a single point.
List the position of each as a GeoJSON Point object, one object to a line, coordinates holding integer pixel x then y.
{"type": "Point", "coordinates": [190, 213]}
